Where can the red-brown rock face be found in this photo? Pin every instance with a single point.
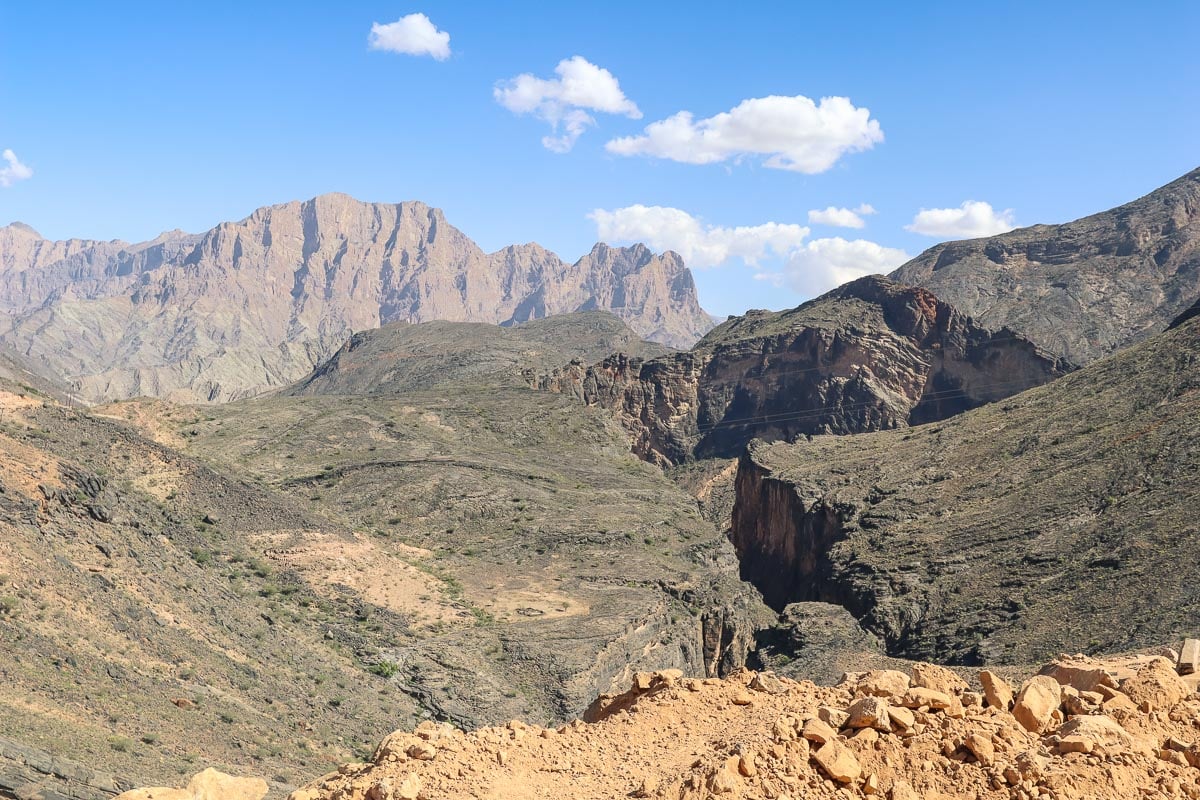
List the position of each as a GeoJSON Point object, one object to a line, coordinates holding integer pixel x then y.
{"type": "Point", "coordinates": [871, 355]}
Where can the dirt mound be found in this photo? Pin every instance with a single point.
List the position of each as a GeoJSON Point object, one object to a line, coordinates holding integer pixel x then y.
{"type": "Point", "coordinates": [1082, 729]}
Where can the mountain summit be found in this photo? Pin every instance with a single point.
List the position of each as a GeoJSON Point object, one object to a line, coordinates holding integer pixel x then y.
{"type": "Point", "coordinates": [257, 303]}
{"type": "Point", "coordinates": [1082, 289]}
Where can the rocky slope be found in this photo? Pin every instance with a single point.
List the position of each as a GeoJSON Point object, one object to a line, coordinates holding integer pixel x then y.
{"type": "Point", "coordinates": [384, 556]}
{"type": "Point", "coordinates": [258, 303]}
{"type": "Point", "coordinates": [948, 541]}
{"type": "Point", "coordinates": [1081, 730]}
{"type": "Point", "coordinates": [146, 627]}
{"type": "Point", "coordinates": [870, 355]}
{"type": "Point", "coordinates": [20, 375]}
{"type": "Point", "coordinates": [1082, 289]}
{"type": "Point", "coordinates": [402, 357]}
{"type": "Point", "coordinates": [516, 503]}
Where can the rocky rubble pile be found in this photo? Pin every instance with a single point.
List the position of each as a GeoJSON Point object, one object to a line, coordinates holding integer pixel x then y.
{"type": "Point", "coordinates": [1082, 728]}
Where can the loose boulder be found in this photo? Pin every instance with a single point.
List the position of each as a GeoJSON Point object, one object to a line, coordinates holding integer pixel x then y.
{"type": "Point", "coordinates": [1036, 703]}
{"type": "Point", "coordinates": [207, 785]}
{"type": "Point", "coordinates": [1156, 686]}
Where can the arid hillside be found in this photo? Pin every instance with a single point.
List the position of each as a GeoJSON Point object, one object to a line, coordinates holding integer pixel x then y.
{"type": "Point", "coordinates": [1062, 515]}
{"type": "Point", "coordinates": [1082, 289]}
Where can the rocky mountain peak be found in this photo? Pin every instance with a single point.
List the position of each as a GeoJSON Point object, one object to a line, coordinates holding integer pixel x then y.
{"type": "Point", "coordinates": [1081, 289]}
{"type": "Point", "coordinates": [21, 228]}
{"type": "Point", "coordinates": [257, 303]}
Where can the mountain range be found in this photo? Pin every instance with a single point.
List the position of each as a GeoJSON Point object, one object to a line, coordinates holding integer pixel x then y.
{"type": "Point", "coordinates": [409, 487]}
{"type": "Point", "coordinates": [256, 304]}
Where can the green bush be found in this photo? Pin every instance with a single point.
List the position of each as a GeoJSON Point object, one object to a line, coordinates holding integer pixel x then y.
{"type": "Point", "coordinates": [384, 669]}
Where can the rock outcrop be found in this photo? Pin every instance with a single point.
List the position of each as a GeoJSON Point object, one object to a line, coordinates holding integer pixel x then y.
{"type": "Point", "coordinates": [1082, 289]}
{"type": "Point", "coordinates": [875, 734]}
{"type": "Point", "coordinates": [870, 355]}
{"type": "Point", "coordinates": [207, 785]}
{"type": "Point", "coordinates": [943, 539]}
{"type": "Point", "coordinates": [256, 304]}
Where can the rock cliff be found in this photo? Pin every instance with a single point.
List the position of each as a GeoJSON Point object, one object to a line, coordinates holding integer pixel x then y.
{"type": "Point", "coordinates": [870, 355]}
{"type": "Point", "coordinates": [1082, 289]}
{"type": "Point", "coordinates": [257, 303]}
{"type": "Point", "coordinates": [944, 540]}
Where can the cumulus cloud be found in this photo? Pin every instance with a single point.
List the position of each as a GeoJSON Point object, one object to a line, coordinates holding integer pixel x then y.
{"type": "Point", "coordinates": [793, 133]}
{"type": "Point", "coordinates": [14, 171]}
{"type": "Point", "coordinates": [700, 245]}
{"type": "Point", "coordinates": [971, 220]}
{"type": "Point", "coordinates": [841, 217]}
{"type": "Point", "coordinates": [822, 264]}
{"type": "Point", "coordinates": [413, 35]}
{"type": "Point", "coordinates": [565, 101]}
{"type": "Point", "coordinates": [809, 268]}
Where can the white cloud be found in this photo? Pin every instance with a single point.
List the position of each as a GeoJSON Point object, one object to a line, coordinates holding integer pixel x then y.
{"type": "Point", "coordinates": [565, 101]}
{"type": "Point", "coordinates": [971, 220]}
{"type": "Point", "coordinates": [15, 171]}
{"type": "Point", "coordinates": [794, 133]}
{"type": "Point", "coordinates": [700, 245]}
{"type": "Point", "coordinates": [824, 264]}
{"type": "Point", "coordinates": [841, 217]}
{"type": "Point", "coordinates": [413, 35]}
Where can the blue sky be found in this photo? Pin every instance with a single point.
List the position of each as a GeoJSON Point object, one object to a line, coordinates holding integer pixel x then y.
{"type": "Point", "coordinates": [140, 117]}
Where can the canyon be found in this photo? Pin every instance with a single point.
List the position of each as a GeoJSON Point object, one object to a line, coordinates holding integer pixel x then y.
{"type": "Point", "coordinates": [870, 355]}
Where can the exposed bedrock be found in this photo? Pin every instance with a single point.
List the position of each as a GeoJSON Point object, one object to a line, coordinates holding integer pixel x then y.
{"type": "Point", "coordinates": [871, 355]}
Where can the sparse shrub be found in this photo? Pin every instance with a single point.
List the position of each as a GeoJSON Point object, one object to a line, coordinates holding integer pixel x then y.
{"type": "Point", "coordinates": [384, 669]}
{"type": "Point", "coordinates": [121, 744]}
{"type": "Point", "coordinates": [9, 606]}
{"type": "Point", "coordinates": [201, 556]}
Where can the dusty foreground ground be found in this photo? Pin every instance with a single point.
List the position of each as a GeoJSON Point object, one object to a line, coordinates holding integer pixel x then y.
{"type": "Point", "coordinates": [1081, 729]}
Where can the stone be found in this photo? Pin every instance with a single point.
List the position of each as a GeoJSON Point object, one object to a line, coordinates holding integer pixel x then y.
{"type": "Point", "coordinates": [725, 780]}
{"type": "Point", "coordinates": [833, 717]}
{"type": "Point", "coordinates": [902, 790]}
{"type": "Point", "coordinates": [768, 682]}
{"type": "Point", "coordinates": [869, 712]}
{"type": "Point", "coordinates": [1085, 677]}
{"type": "Point", "coordinates": [837, 761]}
{"type": "Point", "coordinates": [1075, 744]}
{"type": "Point", "coordinates": [1099, 730]}
{"type": "Point", "coordinates": [1156, 686]}
{"type": "Point", "coordinates": [815, 730]}
{"type": "Point", "coordinates": [1037, 701]}
{"type": "Point", "coordinates": [410, 787]}
{"type": "Point", "coordinates": [996, 690]}
{"type": "Point", "coordinates": [921, 697]}
{"type": "Point", "coordinates": [883, 683]}
{"type": "Point", "coordinates": [939, 679]}
{"type": "Point", "coordinates": [207, 785]}
{"type": "Point", "coordinates": [422, 751]}
{"type": "Point", "coordinates": [982, 748]}
{"type": "Point", "coordinates": [902, 719]}
{"type": "Point", "coordinates": [1189, 657]}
